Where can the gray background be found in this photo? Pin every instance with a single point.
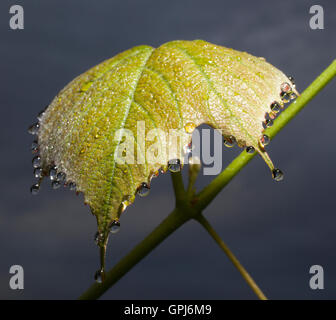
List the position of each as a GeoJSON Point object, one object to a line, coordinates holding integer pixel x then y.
{"type": "Point", "coordinates": [277, 230]}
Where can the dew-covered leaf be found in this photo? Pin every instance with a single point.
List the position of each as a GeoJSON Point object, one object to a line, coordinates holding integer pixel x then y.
{"type": "Point", "coordinates": [180, 85]}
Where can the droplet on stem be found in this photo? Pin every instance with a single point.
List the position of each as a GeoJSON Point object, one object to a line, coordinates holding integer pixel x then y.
{"type": "Point", "coordinates": [99, 276]}
{"type": "Point", "coordinates": [277, 174]}
{"type": "Point", "coordinates": [99, 237]}
{"type": "Point", "coordinates": [143, 190]}
{"type": "Point", "coordinates": [174, 165]}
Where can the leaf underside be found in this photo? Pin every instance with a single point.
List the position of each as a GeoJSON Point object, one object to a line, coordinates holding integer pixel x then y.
{"type": "Point", "coordinates": [179, 83]}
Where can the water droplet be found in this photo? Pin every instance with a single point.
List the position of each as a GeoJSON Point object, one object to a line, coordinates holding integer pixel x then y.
{"type": "Point", "coordinates": [275, 107]}
{"type": "Point", "coordinates": [265, 140]}
{"type": "Point", "coordinates": [268, 123]}
{"type": "Point", "coordinates": [114, 226]}
{"type": "Point", "coordinates": [34, 146]}
{"type": "Point", "coordinates": [291, 79]}
{"type": "Point", "coordinates": [38, 172]}
{"type": "Point", "coordinates": [61, 176]}
{"type": "Point", "coordinates": [99, 237]}
{"type": "Point", "coordinates": [190, 127]}
{"type": "Point", "coordinates": [99, 275]}
{"type": "Point", "coordinates": [277, 174]}
{"type": "Point", "coordinates": [72, 186]}
{"type": "Point", "coordinates": [293, 96]}
{"type": "Point", "coordinates": [230, 141]}
{"type": "Point", "coordinates": [285, 87]}
{"type": "Point", "coordinates": [34, 189]}
{"type": "Point", "coordinates": [174, 165]}
{"type": "Point", "coordinates": [34, 128]}
{"type": "Point", "coordinates": [53, 173]}
{"type": "Point", "coordinates": [143, 190]}
{"type": "Point", "coordinates": [36, 162]}
{"type": "Point", "coordinates": [250, 149]}
{"type": "Point", "coordinates": [55, 184]}
{"type": "Point", "coordinates": [285, 97]}
{"type": "Point", "coordinates": [40, 115]}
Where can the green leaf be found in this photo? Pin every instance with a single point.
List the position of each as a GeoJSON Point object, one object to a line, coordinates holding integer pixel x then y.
{"type": "Point", "coordinates": [179, 85]}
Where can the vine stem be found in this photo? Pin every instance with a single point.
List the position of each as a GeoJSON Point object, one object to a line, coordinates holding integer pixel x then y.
{"type": "Point", "coordinates": [205, 223]}
{"type": "Point", "coordinates": [184, 211]}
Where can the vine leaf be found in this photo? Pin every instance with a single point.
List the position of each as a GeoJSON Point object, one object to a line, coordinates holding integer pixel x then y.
{"type": "Point", "coordinates": [180, 85]}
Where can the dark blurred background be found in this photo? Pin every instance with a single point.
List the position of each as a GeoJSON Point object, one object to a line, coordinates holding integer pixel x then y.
{"type": "Point", "coordinates": [277, 230]}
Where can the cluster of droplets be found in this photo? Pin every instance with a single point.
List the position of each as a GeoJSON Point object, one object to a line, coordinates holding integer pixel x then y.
{"type": "Point", "coordinates": [100, 240]}
{"type": "Point", "coordinates": [286, 95]}
{"type": "Point", "coordinates": [36, 162]}
{"type": "Point", "coordinates": [57, 178]}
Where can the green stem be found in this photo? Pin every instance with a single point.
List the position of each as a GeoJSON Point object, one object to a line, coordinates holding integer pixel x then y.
{"type": "Point", "coordinates": [204, 222]}
{"type": "Point", "coordinates": [178, 187]}
{"type": "Point", "coordinates": [178, 217]}
{"type": "Point", "coordinates": [218, 183]}
{"type": "Point", "coordinates": [166, 227]}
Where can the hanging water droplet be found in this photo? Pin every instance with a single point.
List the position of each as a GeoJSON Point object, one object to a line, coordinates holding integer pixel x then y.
{"type": "Point", "coordinates": [40, 115]}
{"type": "Point", "coordinates": [174, 165]}
{"type": "Point", "coordinates": [99, 275]}
{"type": "Point", "coordinates": [61, 177]}
{"type": "Point", "coordinates": [36, 162]}
{"type": "Point", "coordinates": [114, 226]}
{"type": "Point", "coordinates": [34, 128]}
{"type": "Point", "coordinates": [285, 97]}
{"type": "Point", "coordinates": [268, 123]}
{"type": "Point", "coordinates": [275, 107]}
{"type": "Point", "coordinates": [72, 186]}
{"type": "Point", "coordinates": [38, 172]}
{"type": "Point", "coordinates": [285, 87]}
{"type": "Point", "coordinates": [34, 146]}
{"type": "Point", "coordinates": [265, 140]}
{"type": "Point", "coordinates": [250, 149]}
{"type": "Point", "coordinates": [99, 238]}
{"type": "Point", "coordinates": [190, 127]}
{"type": "Point", "coordinates": [143, 190]}
{"type": "Point", "coordinates": [230, 141]}
{"type": "Point", "coordinates": [53, 173]}
{"type": "Point", "coordinates": [277, 174]}
{"type": "Point", "coordinates": [34, 189]}
{"type": "Point", "coordinates": [291, 79]}
{"type": "Point", "coordinates": [293, 96]}
{"type": "Point", "coordinates": [55, 184]}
